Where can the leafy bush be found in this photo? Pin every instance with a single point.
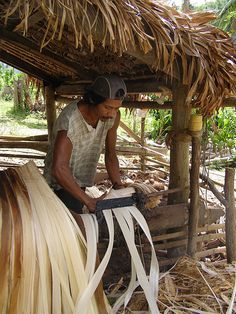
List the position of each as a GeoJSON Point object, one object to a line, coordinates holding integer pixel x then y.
{"type": "Point", "coordinates": [221, 130]}
{"type": "Point", "coordinates": [161, 124]}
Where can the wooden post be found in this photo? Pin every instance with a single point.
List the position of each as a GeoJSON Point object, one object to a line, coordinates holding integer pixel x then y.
{"type": "Point", "coordinates": [142, 143]}
{"type": "Point", "coordinates": [179, 155]}
{"type": "Point", "coordinates": [50, 109]}
{"type": "Point", "coordinates": [179, 150]}
{"type": "Point", "coordinates": [194, 194]}
{"type": "Point", "coordinates": [230, 223]}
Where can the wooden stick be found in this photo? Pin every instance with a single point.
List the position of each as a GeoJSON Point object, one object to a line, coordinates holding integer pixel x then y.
{"type": "Point", "coordinates": [142, 143]}
{"type": "Point", "coordinates": [38, 145]}
{"type": "Point", "coordinates": [230, 215]}
{"type": "Point", "coordinates": [41, 137]}
{"type": "Point", "coordinates": [178, 234]}
{"type": "Point", "coordinates": [194, 195]}
{"type": "Point", "coordinates": [212, 227]}
{"type": "Point", "coordinates": [178, 243]}
{"type": "Point", "coordinates": [130, 132]}
{"type": "Point", "coordinates": [28, 156]}
{"type": "Point", "coordinates": [211, 251]}
{"type": "Point", "coordinates": [171, 261]}
{"type": "Point", "coordinates": [214, 190]}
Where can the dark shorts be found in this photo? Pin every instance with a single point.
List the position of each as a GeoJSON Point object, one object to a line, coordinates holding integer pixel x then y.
{"type": "Point", "coordinates": [70, 201]}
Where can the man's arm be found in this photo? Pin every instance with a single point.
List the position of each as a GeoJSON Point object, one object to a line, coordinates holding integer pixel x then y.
{"type": "Point", "coordinates": [61, 170]}
{"type": "Point", "coordinates": [111, 160]}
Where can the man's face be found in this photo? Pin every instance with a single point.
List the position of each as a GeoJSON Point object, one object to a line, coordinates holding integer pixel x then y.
{"type": "Point", "coordinates": [108, 109]}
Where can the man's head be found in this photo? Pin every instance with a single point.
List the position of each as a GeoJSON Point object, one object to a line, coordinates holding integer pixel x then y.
{"type": "Point", "coordinates": [106, 93]}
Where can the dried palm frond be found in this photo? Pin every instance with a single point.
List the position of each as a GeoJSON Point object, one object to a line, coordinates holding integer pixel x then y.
{"type": "Point", "coordinates": [183, 46]}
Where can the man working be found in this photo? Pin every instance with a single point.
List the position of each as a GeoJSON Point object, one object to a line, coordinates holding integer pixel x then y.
{"type": "Point", "coordinates": [79, 135]}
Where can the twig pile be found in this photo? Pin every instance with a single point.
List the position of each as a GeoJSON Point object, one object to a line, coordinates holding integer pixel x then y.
{"type": "Point", "coordinates": [194, 287]}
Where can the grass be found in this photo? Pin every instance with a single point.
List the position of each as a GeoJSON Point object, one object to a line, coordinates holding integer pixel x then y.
{"type": "Point", "coordinates": [20, 123]}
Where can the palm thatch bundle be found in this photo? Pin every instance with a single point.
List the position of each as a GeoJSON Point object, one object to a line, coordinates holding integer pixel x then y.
{"type": "Point", "coordinates": [46, 265]}
{"type": "Point", "coordinates": [194, 287]}
{"type": "Point", "coordinates": [182, 46]}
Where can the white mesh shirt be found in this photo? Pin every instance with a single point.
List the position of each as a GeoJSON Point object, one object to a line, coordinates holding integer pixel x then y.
{"type": "Point", "coordinates": [87, 143]}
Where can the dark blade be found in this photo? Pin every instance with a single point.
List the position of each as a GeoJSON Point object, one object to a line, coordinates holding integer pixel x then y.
{"type": "Point", "coordinates": [116, 202]}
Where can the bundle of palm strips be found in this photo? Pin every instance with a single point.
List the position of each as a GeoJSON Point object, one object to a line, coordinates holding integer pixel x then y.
{"type": "Point", "coordinates": [46, 266]}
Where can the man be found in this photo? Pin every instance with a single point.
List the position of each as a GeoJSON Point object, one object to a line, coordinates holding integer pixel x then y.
{"type": "Point", "coordinates": [79, 135]}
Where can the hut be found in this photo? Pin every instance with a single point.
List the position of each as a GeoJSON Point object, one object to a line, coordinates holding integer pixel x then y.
{"type": "Point", "coordinates": [66, 44]}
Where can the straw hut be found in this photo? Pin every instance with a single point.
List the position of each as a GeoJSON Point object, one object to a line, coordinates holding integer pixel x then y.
{"type": "Point", "coordinates": [151, 45]}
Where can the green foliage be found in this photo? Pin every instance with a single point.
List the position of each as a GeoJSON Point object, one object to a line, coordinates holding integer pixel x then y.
{"type": "Point", "coordinates": [227, 17]}
{"type": "Point", "coordinates": [222, 130]}
{"type": "Point", "coordinates": [226, 12]}
{"type": "Point", "coordinates": [215, 6]}
{"type": "Point", "coordinates": [161, 124]}
{"type": "Point", "coordinates": [20, 122]}
{"type": "Point", "coordinates": [7, 76]}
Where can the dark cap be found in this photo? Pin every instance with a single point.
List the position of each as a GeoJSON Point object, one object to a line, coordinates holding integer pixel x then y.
{"type": "Point", "coordinates": [109, 87]}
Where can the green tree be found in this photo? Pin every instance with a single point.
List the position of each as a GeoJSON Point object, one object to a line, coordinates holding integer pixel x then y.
{"type": "Point", "coordinates": [227, 18]}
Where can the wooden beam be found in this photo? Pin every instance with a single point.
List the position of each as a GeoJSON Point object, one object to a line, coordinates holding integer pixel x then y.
{"type": "Point", "coordinates": [27, 45]}
{"type": "Point", "coordinates": [133, 87]}
{"type": "Point", "coordinates": [153, 85]}
{"type": "Point", "coordinates": [228, 102]}
{"type": "Point", "coordinates": [147, 105]}
{"type": "Point", "coordinates": [38, 145]}
{"type": "Point", "coordinates": [25, 67]}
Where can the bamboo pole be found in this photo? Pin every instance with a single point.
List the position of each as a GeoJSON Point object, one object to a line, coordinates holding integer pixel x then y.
{"type": "Point", "coordinates": [194, 194]}
{"type": "Point", "coordinates": [230, 215]}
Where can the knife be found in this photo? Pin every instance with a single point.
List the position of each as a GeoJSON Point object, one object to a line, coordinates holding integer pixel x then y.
{"type": "Point", "coordinates": [117, 202]}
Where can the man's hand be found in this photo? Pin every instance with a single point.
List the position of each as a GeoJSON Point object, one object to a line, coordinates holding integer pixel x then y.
{"type": "Point", "coordinates": [118, 186]}
{"type": "Point", "coordinates": [92, 202]}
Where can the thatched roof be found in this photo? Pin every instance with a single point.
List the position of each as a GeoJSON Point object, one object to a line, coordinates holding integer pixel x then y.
{"type": "Point", "coordinates": [138, 39]}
